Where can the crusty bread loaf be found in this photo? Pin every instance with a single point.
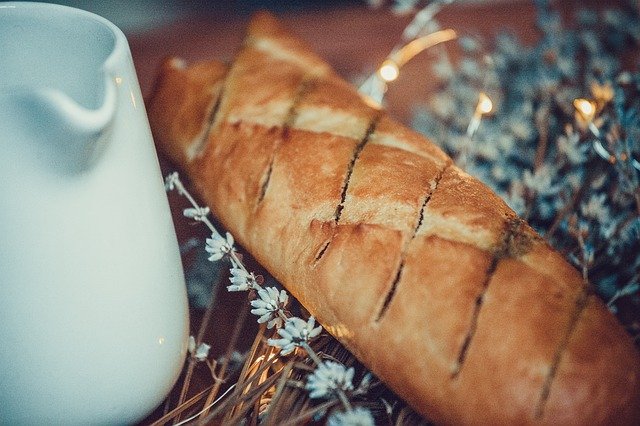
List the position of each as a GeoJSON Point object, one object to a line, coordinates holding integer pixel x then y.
{"type": "Point", "coordinates": [418, 268]}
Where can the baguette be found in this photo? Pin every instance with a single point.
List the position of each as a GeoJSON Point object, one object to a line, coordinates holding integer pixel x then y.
{"type": "Point", "coordinates": [416, 267]}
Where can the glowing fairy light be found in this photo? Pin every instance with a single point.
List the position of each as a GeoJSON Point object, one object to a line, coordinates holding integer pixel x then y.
{"type": "Point", "coordinates": [585, 115]}
{"type": "Point", "coordinates": [484, 107]}
{"type": "Point", "coordinates": [389, 71]}
{"type": "Point", "coordinates": [585, 109]}
{"type": "Point", "coordinates": [375, 86]}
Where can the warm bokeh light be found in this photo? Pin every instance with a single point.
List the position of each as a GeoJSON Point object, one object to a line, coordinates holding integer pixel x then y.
{"type": "Point", "coordinates": [485, 106]}
{"type": "Point", "coordinates": [375, 87]}
{"type": "Point", "coordinates": [389, 71]}
{"type": "Point", "coordinates": [585, 108]}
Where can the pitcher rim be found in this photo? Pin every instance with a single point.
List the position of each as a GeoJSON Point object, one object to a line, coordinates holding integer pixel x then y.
{"type": "Point", "coordinates": [119, 37]}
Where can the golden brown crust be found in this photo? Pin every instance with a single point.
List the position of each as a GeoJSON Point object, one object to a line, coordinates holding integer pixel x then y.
{"type": "Point", "coordinates": [418, 268]}
{"type": "Point", "coordinates": [189, 98]}
{"type": "Point", "coordinates": [597, 372]}
{"type": "Point", "coordinates": [521, 348]}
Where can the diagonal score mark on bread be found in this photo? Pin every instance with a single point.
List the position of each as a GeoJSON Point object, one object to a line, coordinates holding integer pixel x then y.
{"type": "Point", "coordinates": [352, 164]}
{"type": "Point", "coordinates": [482, 321]}
{"type": "Point", "coordinates": [580, 305]}
{"type": "Point", "coordinates": [510, 245]}
{"type": "Point", "coordinates": [197, 147]}
{"type": "Point", "coordinates": [433, 186]}
{"type": "Point", "coordinates": [304, 87]}
{"type": "Point", "coordinates": [192, 95]}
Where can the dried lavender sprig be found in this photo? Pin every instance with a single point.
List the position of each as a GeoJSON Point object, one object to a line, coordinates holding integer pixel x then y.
{"type": "Point", "coordinates": [173, 182]}
{"type": "Point", "coordinates": [271, 303]}
{"type": "Point", "coordinates": [270, 306]}
{"type": "Point", "coordinates": [557, 148]}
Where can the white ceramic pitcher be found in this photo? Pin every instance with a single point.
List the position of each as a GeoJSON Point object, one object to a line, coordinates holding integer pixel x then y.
{"type": "Point", "coordinates": [93, 312]}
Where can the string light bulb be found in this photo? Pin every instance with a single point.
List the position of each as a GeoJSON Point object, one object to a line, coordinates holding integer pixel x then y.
{"type": "Point", "coordinates": [585, 115]}
{"type": "Point", "coordinates": [585, 109]}
{"type": "Point", "coordinates": [375, 86]}
{"type": "Point", "coordinates": [389, 71]}
{"type": "Point", "coordinates": [483, 107]}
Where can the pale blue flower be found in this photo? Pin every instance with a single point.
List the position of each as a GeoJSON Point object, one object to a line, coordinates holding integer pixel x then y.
{"type": "Point", "coordinates": [201, 352]}
{"type": "Point", "coordinates": [469, 44]}
{"type": "Point", "coordinates": [569, 145]}
{"type": "Point", "coordinates": [270, 305]}
{"type": "Point", "coordinates": [541, 180]}
{"type": "Point", "coordinates": [241, 280]}
{"type": "Point", "coordinates": [443, 69]}
{"type": "Point", "coordinates": [403, 7]}
{"type": "Point", "coordinates": [196, 213]}
{"type": "Point", "coordinates": [359, 416]}
{"type": "Point", "coordinates": [520, 128]}
{"type": "Point", "coordinates": [171, 180]}
{"type": "Point", "coordinates": [470, 69]}
{"type": "Point", "coordinates": [328, 378]}
{"type": "Point", "coordinates": [218, 247]}
{"type": "Point", "coordinates": [595, 208]}
{"type": "Point", "coordinates": [295, 333]}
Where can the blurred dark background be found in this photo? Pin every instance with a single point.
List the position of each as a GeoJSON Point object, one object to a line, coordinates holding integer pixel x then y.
{"type": "Point", "coordinates": [134, 16]}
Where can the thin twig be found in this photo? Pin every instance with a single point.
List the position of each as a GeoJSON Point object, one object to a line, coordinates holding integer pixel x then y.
{"type": "Point", "coordinates": [270, 414]}
{"type": "Point", "coordinates": [207, 407]}
{"type": "Point", "coordinates": [542, 123]}
{"type": "Point", "coordinates": [181, 408]}
{"type": "Point", "coordinates": [192, 361]}
{"type": "Point", "coordinates": [230, 348]}
{"type": "Point", "coordinates": [251, 396]}
{"type": "Point", "coordinates": [305, 416]}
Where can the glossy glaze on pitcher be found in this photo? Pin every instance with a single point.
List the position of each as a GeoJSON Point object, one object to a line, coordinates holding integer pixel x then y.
{"type": "Point", "coordinates": [93, 313]}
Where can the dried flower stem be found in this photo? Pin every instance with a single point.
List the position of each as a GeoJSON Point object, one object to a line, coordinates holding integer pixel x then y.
{"type": "Point", "coordinates": [280, 386]}
{"type": "Point", "coordinates": [174, 181]}
{"type": "Point", "coordinates": [248, 399]}
{"type": "Point", "coordinates": [568, 208]}
{"type": "Point", "coordinates": [542, 123]}
{"type": "Point", "coordinates": [305, 416]}
{"type": "Point", "coordinates": [584, 261]}
{"type": "Point", "coordinates": [622, 292]}
{"type": "Point", "coordinates": [193, 417]}
{"type": "Point", "coordinates": [223, 369]}
{"type": "Point", "coordinates": [181, 408]}
{"type": "Point", "coordinates": [252, 371]}
{"type": "Point", "coordinates": [314, 356]}
{"type": "Point", "coordinates": [192, 360]}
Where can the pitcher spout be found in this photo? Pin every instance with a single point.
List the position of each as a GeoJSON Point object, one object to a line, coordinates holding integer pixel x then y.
{"type": "Point", "coordinates": [73, 135]}
{"type": "Point", "coordinates": [57, 93]}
